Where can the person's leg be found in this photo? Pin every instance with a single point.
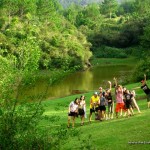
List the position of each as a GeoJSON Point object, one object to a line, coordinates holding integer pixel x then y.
{"type": "Point", "coordinates": [125, 113]}
{"type": "Point", "coordinates": [148, 100]}
{"type": "Point", "coordinates": [98, 114]}
{"type": "Point", "coordinates": [69, 117]}
{"type": "Point", "coordinates": [131, 110]}
{"type": "Point", "coordinates": [128, 112]}
{"type": "Point", "coordinates": [121, 112]}
{"type": "Point", "coordinates": [117, 109]}
{"type": "Point", "coordinates": [105, 115]}
{"type": "Point", "coordinates": [109, 111]}
{"type": "Point", "coordinates": [90, 116]}
{"type": "Point", "coordinates": [102, 114]}
{"type": "Point", "coordinates": [73, 121]}
{"type": "Point", "coordinates": [136, 105]}
{"type": "Point", "coordinates": [82, 119]}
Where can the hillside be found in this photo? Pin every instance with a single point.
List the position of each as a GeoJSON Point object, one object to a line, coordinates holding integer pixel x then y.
{"type": "Point", "coordinates": [122, 133]}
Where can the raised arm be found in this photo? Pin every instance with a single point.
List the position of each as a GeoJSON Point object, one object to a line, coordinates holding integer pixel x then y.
{"type": "Point", "coordinates": [144, 79]}
{"type": "Point", "coordinates": [115, 81]}
{"type": "Point", "coordinates": [110, 86]}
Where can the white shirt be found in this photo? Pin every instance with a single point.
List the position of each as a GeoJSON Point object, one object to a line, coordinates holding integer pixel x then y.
{"type": "Point", "coordinates": [73, 107]}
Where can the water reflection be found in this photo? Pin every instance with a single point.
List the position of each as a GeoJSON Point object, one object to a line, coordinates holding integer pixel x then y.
{"type": "Point", "coordinates": [87, 80]}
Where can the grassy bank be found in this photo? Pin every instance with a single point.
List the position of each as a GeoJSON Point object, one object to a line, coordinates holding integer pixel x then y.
{"type": "Point", "coordinates": [111, 134]}
{"type": "Point", "coordinates": [113, 61]}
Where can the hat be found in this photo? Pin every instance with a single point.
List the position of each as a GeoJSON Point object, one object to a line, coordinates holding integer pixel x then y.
{"type": "Point", "coordinates": [95, 93]}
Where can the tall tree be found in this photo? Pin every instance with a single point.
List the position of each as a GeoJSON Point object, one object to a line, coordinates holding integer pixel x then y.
{"type": "Point", "coordinates": [90, 16]}
{"type": "Point", "coordinates": [109, 7]}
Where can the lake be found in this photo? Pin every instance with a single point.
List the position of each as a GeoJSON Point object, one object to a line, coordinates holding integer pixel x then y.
{"type": "Point", "coordinates": [89, 80]}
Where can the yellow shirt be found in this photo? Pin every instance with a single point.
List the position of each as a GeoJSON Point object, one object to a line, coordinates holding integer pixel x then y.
{"type": "Point", "coordinates": [94, 100]}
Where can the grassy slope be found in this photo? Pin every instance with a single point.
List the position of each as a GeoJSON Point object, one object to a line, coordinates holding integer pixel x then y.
{"type": "Point", "coordinates": [113, 61]}
{"type": "Point", "coordinates": [111, 134]}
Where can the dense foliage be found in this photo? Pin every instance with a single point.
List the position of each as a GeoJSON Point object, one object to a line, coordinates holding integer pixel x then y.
{"type": "Point", "coordinates": [60, 43]}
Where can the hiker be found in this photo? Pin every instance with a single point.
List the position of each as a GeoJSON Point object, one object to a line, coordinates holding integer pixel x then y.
{"type": "Point", "coordinates": [128, 103]}
{"type": "Point", "coordinates": [146, 89]}
{"type": "Point", "coordinates": [134, 101]}
{"type": "Point", "coordinates": [94, 105]}
{"type": "Point", "coordinates": [110, 102]}
{"type": "Point", "coordinates": [119, 98]}
{"type": "Point", "coordinates": [81, 109]}
{"type": "Point", "coordinates": [73, 112]}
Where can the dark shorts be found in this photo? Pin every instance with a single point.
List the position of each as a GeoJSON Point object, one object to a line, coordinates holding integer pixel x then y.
{"type": "Point", "coordinates": [102, 108]}
{"type": "Point", "coordinates": [73, 114]}
{"type": "Point", "coordinates": [81, 112]}
{"type": "Point", "coordinates": [128, 106]}
{"type": "Point", "coordinates": [148, 97]}
{"type": "Point", "coordinates": [94, 110]}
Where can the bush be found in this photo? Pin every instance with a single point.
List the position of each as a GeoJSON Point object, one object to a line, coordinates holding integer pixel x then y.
{"type": "Point", "coordinates": [142, 68]}
{"type": "Point", "coordinates": [110, 52]}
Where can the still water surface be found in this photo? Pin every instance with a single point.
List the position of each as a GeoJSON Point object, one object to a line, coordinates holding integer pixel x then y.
{"type": "Point", "coordinates": [88, 80]}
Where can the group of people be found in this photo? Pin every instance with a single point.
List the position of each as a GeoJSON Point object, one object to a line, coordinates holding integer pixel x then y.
{"type": "Point", "coordinates": [125, 101]}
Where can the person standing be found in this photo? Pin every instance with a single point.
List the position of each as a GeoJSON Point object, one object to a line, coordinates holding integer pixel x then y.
{"type": "Point", "coordinates": [128, 101]}
{"type": "Point", "coordinates": [73, 111]}
{"type": "Point", "coordinates": [119, 98]}
{"type": "Point", "coordinates": [102, 106]}
{"type": "Point", "coordinates": [94, 105]}
{"type": "Point", "coordinates": [110, 102]}
{"type": "Point", "coordinates": [81, 109]}
{"type": "Point", "coordinates": [146, 90]}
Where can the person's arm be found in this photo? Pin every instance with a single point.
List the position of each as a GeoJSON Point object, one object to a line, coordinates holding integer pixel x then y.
{"type": "Point", "coordinates": [109, 85]}
{"type": "Point", "coordinates": [91, 103]}
{"type": "Point", "coordinates": [136, 88]}
{"type": "Point", "coordinates": [144, 79]}
{"type": "Point", "coordinates": [69, 109]}
{"type": "Point", "coordinates": [115, 81]}
{"type": "Point", "coordinates": [98, 103]}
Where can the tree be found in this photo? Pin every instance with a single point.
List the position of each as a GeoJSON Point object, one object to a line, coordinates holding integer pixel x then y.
{"type": "Point", "coordinates": [142, 7]}
{"type": "Point", "coordinates": [109, 7]}
{"type": "Point", "coordinates": [145, 40]}
{"type": "Point", "coordinates": [90, 16]}
{"type": "Point", "coordinates": [71, 13]}
{"type": "Point", "coordinates": [18, 119]}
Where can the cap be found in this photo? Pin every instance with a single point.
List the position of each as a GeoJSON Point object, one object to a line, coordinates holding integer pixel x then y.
{"type": "Point", "coordinates": [95, 93]}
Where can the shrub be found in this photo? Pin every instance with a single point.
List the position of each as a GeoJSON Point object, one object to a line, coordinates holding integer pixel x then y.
{"type": "Point", "coordinates": [143, 67]}
{"type": "Point", "coordinates": [109, 52]}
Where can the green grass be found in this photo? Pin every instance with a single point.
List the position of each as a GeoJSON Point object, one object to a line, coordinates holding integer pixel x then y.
{"type": "Point", "coordinates": [113, 61]}
{"type": "Point", "coordinates": [106, 135]}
